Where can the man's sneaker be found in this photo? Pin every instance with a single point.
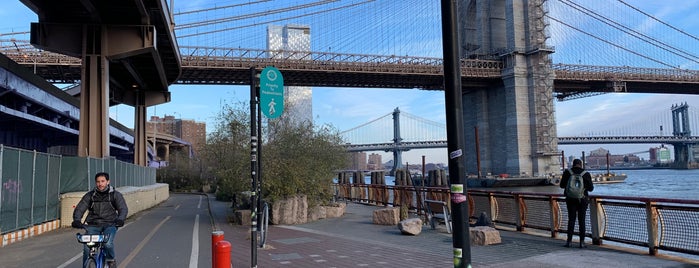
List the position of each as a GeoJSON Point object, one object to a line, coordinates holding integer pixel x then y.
{"type": "Point", "coordinates": [111, 263]}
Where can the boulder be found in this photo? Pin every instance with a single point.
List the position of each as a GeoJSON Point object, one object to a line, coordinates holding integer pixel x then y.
{"type": "Point", "coordinates": [386, 216]}
{"type": "Point", "coordinates": [243, 217]}
{"type": "Point", "coordinates": [335, 210]}
{"type": "Point", "coordinates": [317, 213]}
{"type": "Point", "coordinates": [293, 210]}
{"type": "Point", "coordinates": [484, 235]}
{"type": "Point", "coordinates": [411, 226]}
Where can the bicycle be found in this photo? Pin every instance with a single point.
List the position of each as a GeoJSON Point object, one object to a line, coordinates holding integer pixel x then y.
{"type": "Point", "coordinates": [263, 225]}
{"type": "Point", "coordinates": [95, 243]}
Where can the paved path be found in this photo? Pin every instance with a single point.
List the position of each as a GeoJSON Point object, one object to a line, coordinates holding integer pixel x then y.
{"type": "Point", "coordinates": [177, 233]}
{"type": "Point", "coordinates": [353, 241]}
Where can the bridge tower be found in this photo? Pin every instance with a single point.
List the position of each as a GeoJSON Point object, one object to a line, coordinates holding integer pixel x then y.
{"type": "Point", "coordinates": [397, 152]}
{"type": "Point", "coordinates": [680, 127]}
{"type": "Point", "coordinates": [515, 117]}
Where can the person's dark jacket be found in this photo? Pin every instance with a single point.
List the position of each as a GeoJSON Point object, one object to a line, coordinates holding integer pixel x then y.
{"type": "Point", "coordinates": [104, 207]}
{"type": "Point", "coordinates": [587, 179]}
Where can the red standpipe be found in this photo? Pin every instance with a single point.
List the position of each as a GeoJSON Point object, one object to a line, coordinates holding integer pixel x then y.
{"type": "Point", "coordinates": [216, 236]}
{"type": "Point", "coordinates": [223, 254]}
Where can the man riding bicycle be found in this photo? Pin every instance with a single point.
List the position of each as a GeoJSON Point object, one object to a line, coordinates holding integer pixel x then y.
{"type": "Point", "coordinates": [107, 211]}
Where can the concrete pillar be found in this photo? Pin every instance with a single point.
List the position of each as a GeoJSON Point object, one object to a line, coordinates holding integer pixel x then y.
{"type": "Point", "coordinates": [140, 153]}
{"type": "Point", "coordinates": [94, 98]}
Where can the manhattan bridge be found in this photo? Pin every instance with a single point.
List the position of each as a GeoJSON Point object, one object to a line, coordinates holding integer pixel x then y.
{"type": "Point", "coordinates": [518, 57]}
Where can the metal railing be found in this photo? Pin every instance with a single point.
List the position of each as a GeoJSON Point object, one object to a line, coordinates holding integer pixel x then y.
{"type": "Point", "coordinates": [656, 224]}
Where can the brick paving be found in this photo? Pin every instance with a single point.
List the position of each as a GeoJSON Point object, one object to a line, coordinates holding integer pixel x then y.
{"type": "Point", "coordinates": [353, 241]}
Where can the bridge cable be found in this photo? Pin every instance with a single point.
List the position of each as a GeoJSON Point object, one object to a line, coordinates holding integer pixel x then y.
{"type": "Point", "coordinates": [612, 44]}
{"type": "Point", "coordinates": [631, 32]}
{"type": "Point", "coordinates": [658, 20]}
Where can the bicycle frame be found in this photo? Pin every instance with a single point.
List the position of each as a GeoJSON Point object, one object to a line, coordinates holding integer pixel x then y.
{"type": "Point", "coordinates": [95, 243]}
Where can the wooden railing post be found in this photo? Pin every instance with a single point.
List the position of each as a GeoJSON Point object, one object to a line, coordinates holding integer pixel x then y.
{"type": "Point", "coordinates": [554, 216]}
{"type": "Point", "coordinates": [652, 223]}
{"type": "Point", "coordinates": [519, 212]}
{"type": "Point", "coordinates": [493, 207]}
{"type": "Point", "coordinates": [596, 224]}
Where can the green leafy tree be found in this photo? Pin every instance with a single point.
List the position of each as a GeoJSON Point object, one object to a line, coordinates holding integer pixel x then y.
{"type": "Point", "coordinates": [227, 152]}
{"type": "Point", "coordinates": [300, 159]}
{"type": "Point", "coordinates": [297, 158]}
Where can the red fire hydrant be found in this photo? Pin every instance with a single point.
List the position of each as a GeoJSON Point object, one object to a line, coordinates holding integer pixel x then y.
{"type": "Point", "coordinates": [223, 254]}
{"type": "Point", "coordinates": [216, 236]}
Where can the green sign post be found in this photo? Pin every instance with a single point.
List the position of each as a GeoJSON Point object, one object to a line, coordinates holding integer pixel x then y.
{"type": "Point", "coordinates": [271, 92]}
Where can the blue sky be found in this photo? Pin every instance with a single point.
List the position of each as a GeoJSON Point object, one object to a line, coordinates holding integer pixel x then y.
{"type": "Point", "coordinates": [345, 108]}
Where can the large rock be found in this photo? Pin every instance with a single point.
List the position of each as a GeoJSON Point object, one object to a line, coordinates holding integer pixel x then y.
{"type": "Point", "coordinates": [334, 210]}
{"type": "Point", "coordinates": [293, 210]}
{"type": "Point", "coordinates": [386, 216]}
{"type": "Point", "coordinates": [317, 213]}
{"type": "Point", "coordinates": [484, 235]}
{"type": "Point", "coordinates": [243, 217]}
{"type": "Point", "coordinates": [411, 226]}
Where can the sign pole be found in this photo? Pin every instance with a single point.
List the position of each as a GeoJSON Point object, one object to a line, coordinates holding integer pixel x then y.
{"type": "Point", "coordinates": [253, 167]}
{"type": "Point", "coordinates": [455, 135]}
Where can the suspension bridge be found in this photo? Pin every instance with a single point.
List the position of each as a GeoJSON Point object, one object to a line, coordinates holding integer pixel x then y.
{"type": "Point", "coordinates": [400, 131]}
{"type": "Point", "coordinates": [509, 78]}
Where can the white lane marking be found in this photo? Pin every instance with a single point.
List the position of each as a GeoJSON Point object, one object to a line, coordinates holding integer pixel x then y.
{"type": "Point", "coordinates": [194, 257]}
{"type": "Point", "coordinates": [145, 240]}
{"type": "Point", "coordinates": [68, 262]}
{"type": "Point", "coordinates": [199, 205]}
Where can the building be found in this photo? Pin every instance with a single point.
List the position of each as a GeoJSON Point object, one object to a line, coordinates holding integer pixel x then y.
{"type": "Point", "coordinates": [598, 159]}
{"type": "Point", "coordinates": [287, 39]}
{"type": "Point", "coordinates": [189, 131]}
{"type": "Point", "coordinates": [359, 161]}
{"type": "Point", "coordinates": [660, 155]}
{"type": "Point", "coordinates": [374, 162]}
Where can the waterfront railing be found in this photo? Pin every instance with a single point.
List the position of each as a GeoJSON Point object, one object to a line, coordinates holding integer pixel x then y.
{"type": "Point", "coordinates": [656, 224]}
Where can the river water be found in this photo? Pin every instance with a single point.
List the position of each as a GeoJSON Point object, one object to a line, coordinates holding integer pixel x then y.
{"type": "Point", "coordinates": [649, 183]}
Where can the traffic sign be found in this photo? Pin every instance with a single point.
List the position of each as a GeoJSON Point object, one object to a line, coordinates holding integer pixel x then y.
{"type": "Point", "coordinates": [271, 92]}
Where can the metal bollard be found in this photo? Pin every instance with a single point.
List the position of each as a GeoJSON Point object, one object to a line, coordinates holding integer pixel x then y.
{"type": "Point", "coordinates": [216, 236]}
{"type": "Point", "coordinates": [223, 254]}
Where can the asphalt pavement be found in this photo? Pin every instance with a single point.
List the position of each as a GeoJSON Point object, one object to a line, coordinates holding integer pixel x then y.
{"type": "Point", "coordinates": [177, 233]}
{"type": "Point", "coordinates": [354, 241]}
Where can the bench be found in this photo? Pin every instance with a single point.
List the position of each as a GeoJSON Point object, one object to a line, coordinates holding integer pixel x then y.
{"type": "Point", "coordinates": [438, 211]}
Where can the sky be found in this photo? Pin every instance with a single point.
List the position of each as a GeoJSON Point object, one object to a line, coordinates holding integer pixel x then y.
{"type": "Point", "coordinates": [345, 108]}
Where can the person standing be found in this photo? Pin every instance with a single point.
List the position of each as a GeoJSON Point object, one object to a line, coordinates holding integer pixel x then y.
{"type": "Point", "coordinates": [577, 184]}
{"type": "Point", "coordinates": [107, 212]}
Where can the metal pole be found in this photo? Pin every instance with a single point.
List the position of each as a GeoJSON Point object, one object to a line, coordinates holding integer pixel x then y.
{"type": "Point", "coordinates": [259, 162]}
{"type": "Point", "coordinates": [253, 167]}
{"type": "Point", "coordinates": [455, 134]}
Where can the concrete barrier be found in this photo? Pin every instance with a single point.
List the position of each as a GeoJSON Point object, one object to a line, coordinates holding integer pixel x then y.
{"type": "Point", "coordinates": [137, 199]}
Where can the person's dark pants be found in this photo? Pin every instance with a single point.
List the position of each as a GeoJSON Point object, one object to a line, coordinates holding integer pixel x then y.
{"type": "Point", "coordinates": [576, 208]}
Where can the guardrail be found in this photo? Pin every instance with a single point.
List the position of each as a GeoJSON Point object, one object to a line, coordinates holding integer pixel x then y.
{"type": "Point", "coordinates": [657, 224]}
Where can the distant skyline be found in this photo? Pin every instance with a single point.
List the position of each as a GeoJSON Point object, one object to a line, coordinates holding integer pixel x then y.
{"type": "Point", "coordinates": [345, 108]}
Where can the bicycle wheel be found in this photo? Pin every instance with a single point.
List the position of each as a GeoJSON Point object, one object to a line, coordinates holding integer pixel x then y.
{"type": "Point", "coordinates": [91, 263]}
{"type": "Point", "coordinates": [264, 224]}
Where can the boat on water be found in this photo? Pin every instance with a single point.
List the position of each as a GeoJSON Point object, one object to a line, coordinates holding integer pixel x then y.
{"type": "Point", "coordinates": [506, 181]}
{"type": "Point", "coordinates": [607, 177]}
{"type": "Point", "coordinates": [602, 178]}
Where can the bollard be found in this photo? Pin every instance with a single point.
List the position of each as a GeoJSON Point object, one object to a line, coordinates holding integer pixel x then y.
{"type": "Point", "coordinates": [222, 254]}
{"type": "Point", "coordinates": [216, 236]}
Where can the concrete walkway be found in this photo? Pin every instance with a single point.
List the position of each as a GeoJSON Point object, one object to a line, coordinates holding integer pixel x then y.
{"type": "Point", "coordinates": [353, 241]}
